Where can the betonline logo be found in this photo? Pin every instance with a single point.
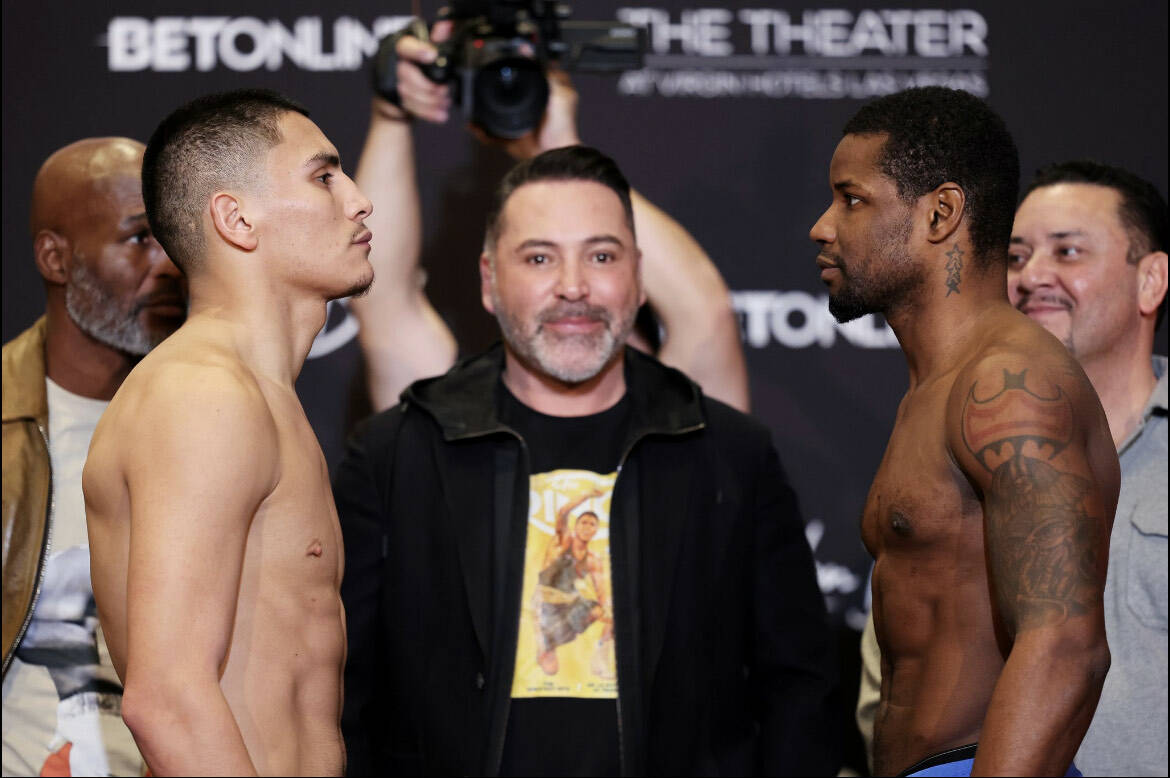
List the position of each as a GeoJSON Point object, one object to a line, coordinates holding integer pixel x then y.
{"type": "Point", "coordinates": [798, 320]}
{"type": "Point", "coordinates": [242, 43]}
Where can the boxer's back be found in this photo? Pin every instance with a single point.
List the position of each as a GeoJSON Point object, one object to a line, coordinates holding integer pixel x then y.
{"type": "Point", "coordinates": [278, 564]}
{"type": "Point", "coordinates": [942, 631]}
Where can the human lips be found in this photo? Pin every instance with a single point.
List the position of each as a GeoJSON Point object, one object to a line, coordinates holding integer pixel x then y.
{"type": "Point", "coordinates": [575, 319]}
{"type": "Point", "coordinates": [165, 303]}
{"type": "Point", "coordinates": [363, 238]}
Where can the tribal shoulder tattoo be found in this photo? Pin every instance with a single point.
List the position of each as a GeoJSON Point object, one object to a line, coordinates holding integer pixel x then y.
{"type": "Point", "coordinates": [1041, 540]}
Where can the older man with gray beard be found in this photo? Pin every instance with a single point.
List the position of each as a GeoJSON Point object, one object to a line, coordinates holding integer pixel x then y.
{"type": "Point", "coordinates": [689, 632]}
{"type": "Point", "coordinates": [111, 295]}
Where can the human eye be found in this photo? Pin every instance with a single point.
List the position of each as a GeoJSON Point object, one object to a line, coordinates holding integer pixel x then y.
{"type": "Point", "coordinates": [537, 259]}
{"type": "Point", "coordinates": [1017, 259]}
{"type": "Point", "coordinates": [139, 237]}
{"type": "Point", "coordinates": [1068, 252]}
{"type": "Point", "coordinates": [603, 257]}
{"type": "Point", "coordinates": [325, 178]}
{"type": "Point", "coordinates": [851, 200]}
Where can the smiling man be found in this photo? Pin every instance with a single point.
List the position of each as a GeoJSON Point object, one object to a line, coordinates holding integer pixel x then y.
{"type": "Point", "coordinates": [990, 513]}
{"type": "Point", "coordinates": [561, 558]}
{"type": "Point", "coordinates": [1088, 261]}
{"type": "Point", "coordinates": [217, 553]}
{"type": "Point", "coordinates": [111, 296]}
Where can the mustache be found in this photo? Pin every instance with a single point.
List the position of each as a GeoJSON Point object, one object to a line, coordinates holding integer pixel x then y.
{"type": "Point", "coordinates": [833, 259]}
{"type": "Point", "coordinates": [1047, 298]}
{"type": "Point", "coordinates": [170, 294]}
{"type": "Point", "coordinates": [581, 310]}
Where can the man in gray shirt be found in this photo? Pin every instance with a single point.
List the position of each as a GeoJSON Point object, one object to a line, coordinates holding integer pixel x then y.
{"type": "Point", "coordinates": [1089, 263]}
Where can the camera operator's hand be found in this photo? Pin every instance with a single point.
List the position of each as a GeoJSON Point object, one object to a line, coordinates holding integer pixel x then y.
{"type": "Point", "coordinates": [419, 95]}
{"type": "Point", "coordinates": [558, 126]}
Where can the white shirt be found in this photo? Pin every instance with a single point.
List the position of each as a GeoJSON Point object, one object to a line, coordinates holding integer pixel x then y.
{"type": "Point", "coordinates": [62, 699]}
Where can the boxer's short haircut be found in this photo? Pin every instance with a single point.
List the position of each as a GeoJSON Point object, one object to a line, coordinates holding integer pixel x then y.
{"type": "Point", "coordinates": [208, 145]}
{"type": "Point", "coordinates": [569, 163]}
{"type": "Point", "coordinates": [936, 135]}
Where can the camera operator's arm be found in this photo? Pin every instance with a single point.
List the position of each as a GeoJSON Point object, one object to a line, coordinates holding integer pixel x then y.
{"type": "Point", "coordinates": [683, 286]}
{"type": "Point", "coordinates": [690, 298]}
{"type": "Point", "coordinates": [402, 336]}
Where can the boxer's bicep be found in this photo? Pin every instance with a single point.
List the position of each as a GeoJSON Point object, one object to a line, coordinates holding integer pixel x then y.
{"type": "Point", "coordinates": [1020, 440]}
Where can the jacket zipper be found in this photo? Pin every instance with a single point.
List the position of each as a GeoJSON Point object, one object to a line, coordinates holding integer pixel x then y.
{"type": "Point", "coordinates": [46, 544]}
{"type": "Point", "coordinates": [499, 745]}
{"type": "Point", "coordinates": [618, 666]}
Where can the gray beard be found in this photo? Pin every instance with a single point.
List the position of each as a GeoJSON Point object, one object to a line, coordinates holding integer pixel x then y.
{"type": "Point", "coordinates": [590, 352]}
{"type": "Point", "coordinates": [102, 316]}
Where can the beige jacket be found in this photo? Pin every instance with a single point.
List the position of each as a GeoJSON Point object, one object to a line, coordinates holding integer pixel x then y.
{"type": "Point", "coordinates": [27, 481]}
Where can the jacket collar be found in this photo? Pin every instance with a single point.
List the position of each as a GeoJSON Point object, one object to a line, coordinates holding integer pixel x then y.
{"type": "Point", "coordinates": [23, 368]}
{"type": "Point", "coordinates": [464, 401]}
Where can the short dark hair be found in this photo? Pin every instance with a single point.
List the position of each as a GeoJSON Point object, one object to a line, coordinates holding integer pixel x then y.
{"type": "Point", "coordinates": [1142, 209]}
{"type": "Point", "coordinates": [210, 143]}
{"type": "Point", "coordinates": [937, 135]}
{"type": "Point", "coordinates": [569, 163]}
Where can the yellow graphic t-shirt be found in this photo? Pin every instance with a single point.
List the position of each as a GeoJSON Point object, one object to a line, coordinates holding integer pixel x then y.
{"type": "Point", "coordinates": [566, 644]}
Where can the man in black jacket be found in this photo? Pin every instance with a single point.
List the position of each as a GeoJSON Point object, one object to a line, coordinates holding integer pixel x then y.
{"type": "Point", "coordinates": [560, 557]}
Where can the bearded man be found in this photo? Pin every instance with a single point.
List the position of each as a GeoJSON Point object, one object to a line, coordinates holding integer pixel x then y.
{"type": "Point", "coordinates": [111, 296]}
{"type": "Point", "coordinates": [448, 503]}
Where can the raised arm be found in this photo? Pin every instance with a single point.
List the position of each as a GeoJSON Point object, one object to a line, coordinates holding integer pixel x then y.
{"type": "Point", "coordinates": [1033, 440]}
{"type": "Point", "coordinates": [402, 336]}
{"type": "Point", "coordinates": [203, 460]}
{"type": "Point", "coordinates": [691, 300]}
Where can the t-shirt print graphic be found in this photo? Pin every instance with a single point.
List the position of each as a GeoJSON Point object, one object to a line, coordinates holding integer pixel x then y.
{"type": "Point", "coordinates": [566, 645]}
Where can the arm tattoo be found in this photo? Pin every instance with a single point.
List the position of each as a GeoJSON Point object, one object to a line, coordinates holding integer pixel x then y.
{"type": "Point", "coordinates": [1041, 541]}
{"type": "Point", "coordinates": [954, 269]}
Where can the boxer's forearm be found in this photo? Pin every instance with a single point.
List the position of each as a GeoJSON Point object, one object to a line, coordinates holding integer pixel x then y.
{"type": "Point", "coordinates": [185, 728]}
{"type": "Point", "coordinates": [1043, 703]}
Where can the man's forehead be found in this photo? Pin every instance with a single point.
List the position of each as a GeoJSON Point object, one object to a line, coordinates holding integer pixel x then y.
{"type": "Point", "coordinates": [1071, 205]}
{"type": "Point", "coordinates": [565, 207]}
{"type": "Point", "coordinates": [303, 140]}
{"type": "Point", "coordinates": [856, 159]}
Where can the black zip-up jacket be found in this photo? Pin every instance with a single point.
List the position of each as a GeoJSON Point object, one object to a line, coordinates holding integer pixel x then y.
{"type": "Point", "coordinates": [721, 641]}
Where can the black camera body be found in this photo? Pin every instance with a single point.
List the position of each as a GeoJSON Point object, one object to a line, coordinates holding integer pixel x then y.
{"type": "Point", "coordinates": [499, 50]}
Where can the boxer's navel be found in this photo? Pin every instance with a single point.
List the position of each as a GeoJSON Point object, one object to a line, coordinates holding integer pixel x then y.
{"type": "Point", "coordinates": [314, 548]}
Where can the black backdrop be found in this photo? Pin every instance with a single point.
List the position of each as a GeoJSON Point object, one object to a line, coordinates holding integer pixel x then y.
{"type": "Point", "coordinates": [729, 128]}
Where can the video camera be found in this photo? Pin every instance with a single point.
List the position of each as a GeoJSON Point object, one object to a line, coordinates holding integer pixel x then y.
{"type": "Point", "coordinates": [499, 50]}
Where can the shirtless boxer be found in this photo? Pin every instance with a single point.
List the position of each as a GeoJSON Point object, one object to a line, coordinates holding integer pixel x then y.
{"type": "Point", "coordinates": [216, 550]}
{"type": "Point", "coordinates": [990, 513]}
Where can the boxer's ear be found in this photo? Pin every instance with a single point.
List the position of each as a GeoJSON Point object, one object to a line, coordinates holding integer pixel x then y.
{"type": "Point", "coordinates": [231, 223]}
{"type": "Point", "coordinates": [944, 213]}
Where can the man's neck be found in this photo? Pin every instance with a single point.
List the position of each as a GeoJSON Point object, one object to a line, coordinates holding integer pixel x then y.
{"type": "Point", "coordinates": [272, 331]}
{"type": "Point", "coordinates": [1124, 379]}
{"type": "Point", "coordinates": [935, 328]}
{"type": "Point", "coordinates": [80, 364]}
{"type": "Point", "coordinates": [552, 397]}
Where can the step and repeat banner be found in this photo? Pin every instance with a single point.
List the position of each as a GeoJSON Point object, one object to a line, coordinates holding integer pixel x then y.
{"type": "Point", "coordinates": [729, 126]}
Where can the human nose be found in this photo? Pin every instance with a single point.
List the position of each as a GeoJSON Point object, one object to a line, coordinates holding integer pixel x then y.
{"type": "Point", "coordinates": [1035, 272]}
{"type": "Point", "coordinates": [572, 283]}
{"type": "Point", "coordinates": [358, 206]}
{"type": "Point", "coordinates": [823, 231]}
{"type": "Point", "coordinates": [160, 263]}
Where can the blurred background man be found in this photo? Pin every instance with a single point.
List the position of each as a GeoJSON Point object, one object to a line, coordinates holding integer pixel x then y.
{"type": "Point", "coordinates": [111, 296]}
{"type": "Point", "coordinates": [1089, 263]}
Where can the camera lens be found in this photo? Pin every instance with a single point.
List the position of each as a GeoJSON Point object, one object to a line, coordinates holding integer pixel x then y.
{"type": "Point", "coordinates": [510, 97]}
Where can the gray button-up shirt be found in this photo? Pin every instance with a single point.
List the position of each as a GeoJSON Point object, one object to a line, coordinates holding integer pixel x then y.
{"type": "Point", "coordinates": [1128, 733]}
